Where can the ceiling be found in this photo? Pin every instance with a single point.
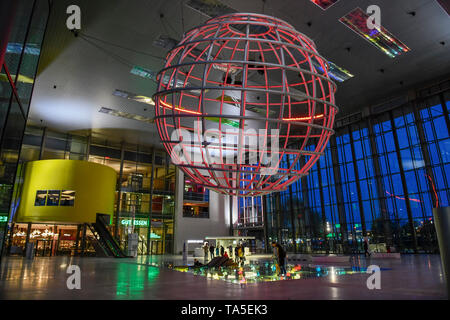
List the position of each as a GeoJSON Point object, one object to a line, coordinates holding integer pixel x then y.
{"type": "Point", "coordinates": [77, 75]}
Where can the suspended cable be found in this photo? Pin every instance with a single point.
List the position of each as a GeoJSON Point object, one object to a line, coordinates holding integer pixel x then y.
{"type": "Point", "coordinates": [120, 46]}
{"type": "Point", "coordinates": [112, 55]}
{"type": "Point", "coordinates": [182, 17]}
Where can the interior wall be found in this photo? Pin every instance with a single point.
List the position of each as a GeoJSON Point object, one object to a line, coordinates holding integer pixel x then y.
{"type": "Point", "coordinates": [199, 228]}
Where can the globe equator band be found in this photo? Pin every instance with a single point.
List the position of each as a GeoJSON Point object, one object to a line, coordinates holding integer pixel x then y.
{"type": "Point", "coordinates": [291, 94]}
{"type": "Point", "coordinates": [299, 123]}
{"type": "Point", "coordinates": [261, 90]}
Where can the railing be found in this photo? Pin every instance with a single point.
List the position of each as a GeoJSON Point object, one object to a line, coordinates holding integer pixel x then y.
{"type": "Point", "coordinates": [196, 196]}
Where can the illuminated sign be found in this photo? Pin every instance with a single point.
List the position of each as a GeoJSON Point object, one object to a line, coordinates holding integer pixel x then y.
{"type": "Point", "coordinates": [137, 222]}
{"type": "Point", "coordinates": [195, 241]}
{"type": "Point", "coordinates": [3, 218]}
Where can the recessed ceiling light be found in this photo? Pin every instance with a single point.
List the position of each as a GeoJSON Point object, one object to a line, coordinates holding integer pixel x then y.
{"type": "Point", "coordinates": [149, 74]}
{"type": "Point", "coordinates": [133, 97]}
{"type": "Point", "coordinates": [126, 115]}
{"type": "Point", "coordinates": [334, 71]}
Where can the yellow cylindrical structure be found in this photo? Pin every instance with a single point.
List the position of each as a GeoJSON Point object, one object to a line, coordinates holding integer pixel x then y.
{"type": "Point", "coordinates": [93, 186]}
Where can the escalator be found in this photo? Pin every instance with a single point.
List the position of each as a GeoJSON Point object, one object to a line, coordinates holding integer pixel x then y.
{"type": "Point", "coordinates": [101, 250]}
{"type": "Point", "coordinates": [105, 245]}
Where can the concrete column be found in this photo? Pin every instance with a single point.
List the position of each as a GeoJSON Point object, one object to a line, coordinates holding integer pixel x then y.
{"type": "Point", "coordinates": [264, 212]}
{"type": "Point", "coordinates": [27, 238]}
{"type": "Point", "coordinates": [178, 214]}
{"type": "Point", "coordinates": [150, 203]}
{"type": "Point", "coordinates": [119, 194]}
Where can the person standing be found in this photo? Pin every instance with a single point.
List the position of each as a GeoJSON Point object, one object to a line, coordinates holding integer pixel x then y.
{"type": "Point", "coordinates": [222, 250]}
{"type": "Point", "coordinates": [230, 250]}
{"type": "Point", "coordinates": [217, 251]}
{"type": "Point", "coordinates": [280, 256]}
{"type": "Point", "coordinates": [205, 251]}
{"type": "Point", "coordinates": [236, 253]}
{"type": "Point", "coordinates": [366, 248]}
{"type": "Point", "coordinates": [211, 251]}
{"type": "Point", "coordinates": [241, 254]}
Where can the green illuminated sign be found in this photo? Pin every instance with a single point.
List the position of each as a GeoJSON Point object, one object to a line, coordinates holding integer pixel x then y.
{"type": "Point", "coordinates": [137, 222]}
{"type": "Point", "coordinates": [338, 225]}
{"type": "Point", "coordinates": [3, 218]}
{"type": "Point", "coordinates": [154, 236]}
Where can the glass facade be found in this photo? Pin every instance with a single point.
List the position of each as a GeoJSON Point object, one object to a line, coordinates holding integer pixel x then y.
{"type": "Point", "coordinates": [18, 71]}
{"type": "Point", "coordinates": [379, 178]}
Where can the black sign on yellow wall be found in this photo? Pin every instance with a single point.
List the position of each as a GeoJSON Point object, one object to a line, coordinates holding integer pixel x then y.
{"type": "Point", "coordinates": [66, 191]}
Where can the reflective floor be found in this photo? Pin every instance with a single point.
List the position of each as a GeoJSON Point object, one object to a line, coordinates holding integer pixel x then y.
{"type": "Point", "coordinates": [266, 270]}
{"type": "Point", "coordinates": [411, 277]}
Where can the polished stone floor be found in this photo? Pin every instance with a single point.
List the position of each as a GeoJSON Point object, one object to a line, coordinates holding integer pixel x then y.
{"type": "Point", "coordinates": [411, 277]}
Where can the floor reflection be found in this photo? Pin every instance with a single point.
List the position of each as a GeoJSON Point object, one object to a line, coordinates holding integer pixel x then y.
{"type": "Point", "coordinates": [263, 271]}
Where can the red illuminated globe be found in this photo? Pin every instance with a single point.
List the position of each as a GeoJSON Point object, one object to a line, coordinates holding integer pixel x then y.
{"type": "Point", "coordinates": [245, 105]}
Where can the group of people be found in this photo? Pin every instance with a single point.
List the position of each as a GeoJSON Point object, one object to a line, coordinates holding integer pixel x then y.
{"type": "Point", "coordinates": [239, 252]}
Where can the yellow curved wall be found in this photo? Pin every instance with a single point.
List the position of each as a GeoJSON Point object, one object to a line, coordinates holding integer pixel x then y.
{"type": "Point", "coordinates": [94, 185]}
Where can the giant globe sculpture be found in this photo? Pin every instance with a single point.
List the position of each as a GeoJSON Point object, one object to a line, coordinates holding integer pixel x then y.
{"type": "Point", "coordinates": [245, 105]}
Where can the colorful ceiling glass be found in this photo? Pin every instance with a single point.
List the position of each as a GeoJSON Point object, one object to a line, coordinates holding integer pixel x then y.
{"type": "Point", "coordinates": [379, 37]}
{"type": "Point", "coordinates": [324, 4]}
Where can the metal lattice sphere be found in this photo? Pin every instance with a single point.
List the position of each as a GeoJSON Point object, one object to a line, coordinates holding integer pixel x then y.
{"type": "Point", "coordinates": [245, 105]}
